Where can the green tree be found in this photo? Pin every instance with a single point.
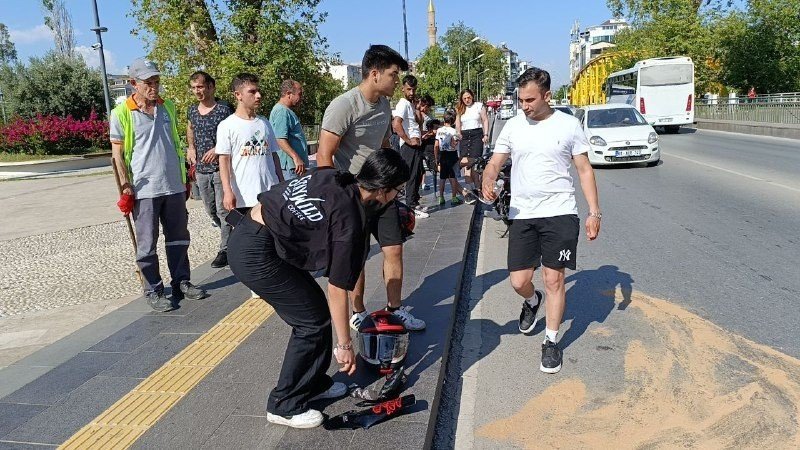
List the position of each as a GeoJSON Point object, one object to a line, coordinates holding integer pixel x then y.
{"type": "Point", "coordinates": [8, 53]}
{"type": "Point", "coordinates": [760, 47]}
{"type": "Point", "coordinates": [55, 85]}
{"type": "Point", "coordinates": [275, 39]}
{"type": "Point", "coordinates": [640, 12]}
{"type": "Point", "coordinates": [437, 77]}
{"type": "Point", "coordinates": [460, 41]}
{"type": "Point", "coordinates": [58, 19]}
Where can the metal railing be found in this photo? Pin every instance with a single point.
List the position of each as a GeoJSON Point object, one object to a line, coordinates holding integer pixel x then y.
{"type": "Point", "coordinates": [311, 132]}
{"type": "Point", "coordinates": [771, 108]}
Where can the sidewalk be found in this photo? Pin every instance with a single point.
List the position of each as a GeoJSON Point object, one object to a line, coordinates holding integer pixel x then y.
{"type": "Point", "coordinates": [225, 406]}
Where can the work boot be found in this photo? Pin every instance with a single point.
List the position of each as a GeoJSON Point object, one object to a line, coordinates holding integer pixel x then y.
{"type": "Point", "coordinates": [158, 301]}
{"type": "Point", "coordinates": [221, 260]}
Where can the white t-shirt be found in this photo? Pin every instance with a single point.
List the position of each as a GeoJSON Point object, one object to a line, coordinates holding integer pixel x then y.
{"type": "Point", "coordinates": [542, 153]}
{"type": "Point", "coordinates": [250, 143]}
{"type": "Point", "coordinates": [405, 110]}
{"type": "Point", "coordinates": [445, 137]}
{"type": "Point", "coordinates": [471, 119]}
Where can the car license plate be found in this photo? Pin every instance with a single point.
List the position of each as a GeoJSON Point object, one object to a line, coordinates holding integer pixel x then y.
{"type": "Point", "coordinates": [622, 153]}
{"type": "Point", "coordinates": [668, 119]}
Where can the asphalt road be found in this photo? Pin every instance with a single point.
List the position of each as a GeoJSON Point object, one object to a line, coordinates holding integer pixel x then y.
{"type": "Point", "coordinates": [713, 229]}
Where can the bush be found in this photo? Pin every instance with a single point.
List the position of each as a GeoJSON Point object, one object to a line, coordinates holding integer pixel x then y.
{"type": "Point", "coordinates": [53, 135]}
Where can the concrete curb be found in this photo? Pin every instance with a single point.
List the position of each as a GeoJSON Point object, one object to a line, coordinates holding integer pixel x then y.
{"type": "Point", "coordinates": [459, 297]}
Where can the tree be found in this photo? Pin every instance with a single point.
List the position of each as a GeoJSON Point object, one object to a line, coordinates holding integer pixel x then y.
{"type": "Point", "coordinates": [275, 39]}
{"type": "Point", "coordinates": [8, 54]}
{"type": "Point", "coordinates": [54, 85]}
{"type": "Point", "coordinates": [58, 19]}
{"type": "Point", "coordinates": [640, 12]}
{"type": "Point", "coordinates": [437, 77]}
{"type": "Point", "coordinates": [458, 39]}
{"type": "Point", "coordinates": [759, 48]}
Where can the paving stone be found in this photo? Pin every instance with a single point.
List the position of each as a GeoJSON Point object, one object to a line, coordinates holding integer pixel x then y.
{"type": "Point", "coordinates": [13, 415]}
{"type": "Point", "coordinates": [59, 382]}
{"type": "Point", "coordinates": [150, 356]}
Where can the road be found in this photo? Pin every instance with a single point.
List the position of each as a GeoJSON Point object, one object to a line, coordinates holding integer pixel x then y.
{"type": "Point", "coordinates": [713, 228]}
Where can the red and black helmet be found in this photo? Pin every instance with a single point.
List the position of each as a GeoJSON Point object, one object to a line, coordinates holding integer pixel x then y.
{"type": "Point", "coordinates": [407, 218]}
{"type": "Point", "coordinates": [382, 341]}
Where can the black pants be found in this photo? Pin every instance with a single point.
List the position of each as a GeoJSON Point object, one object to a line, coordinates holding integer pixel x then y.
{"type": "Point", "coordinates": [300, 302]}
{"type": "Point", "coordinates": [413, 156]}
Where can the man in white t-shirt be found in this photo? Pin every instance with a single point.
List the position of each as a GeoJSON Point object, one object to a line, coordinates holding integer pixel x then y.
{"type": "Point", "coordinates": [542, 143]}
{"type": "Point", "coordinates": [247, 148]}
{"type": "Point", "coordinates": [404, 123]}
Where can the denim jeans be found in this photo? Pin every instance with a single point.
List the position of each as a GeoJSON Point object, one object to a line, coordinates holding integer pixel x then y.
{"type": "Point", "coordinates": [210, 185]}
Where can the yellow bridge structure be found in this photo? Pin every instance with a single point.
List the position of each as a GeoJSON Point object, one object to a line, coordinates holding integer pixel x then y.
{"type": "Point", "coordinates": [587, 88]}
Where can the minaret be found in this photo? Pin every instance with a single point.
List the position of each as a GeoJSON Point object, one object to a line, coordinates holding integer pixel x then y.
{"type": "Point", "coordinates": [431, 24]}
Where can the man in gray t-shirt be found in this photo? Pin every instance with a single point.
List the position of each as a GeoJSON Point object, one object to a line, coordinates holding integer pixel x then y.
{"type": "Point", "coordinates": [356, 124]}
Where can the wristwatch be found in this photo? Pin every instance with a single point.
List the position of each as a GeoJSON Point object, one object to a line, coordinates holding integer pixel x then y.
{"type": "Point", "coordinates": [599, 215]}
{"type": "Point", "coordinates": [348, 346]}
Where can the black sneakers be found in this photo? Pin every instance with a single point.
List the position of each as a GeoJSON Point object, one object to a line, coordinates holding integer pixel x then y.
{"type": "Point", "coordinates": [190, 291]}
{"type": "Point", "coordinates": [221, 260]}
{"type": "Point", "coordinates": [527, 318]}
{"type": "Point", "coordinates": [158, 301]}
{"type": "Point", "coordinates": [551, 357]}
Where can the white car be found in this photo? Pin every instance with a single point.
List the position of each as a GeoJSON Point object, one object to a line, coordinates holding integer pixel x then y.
{"type": "Point", "coordinates": [618, 134]}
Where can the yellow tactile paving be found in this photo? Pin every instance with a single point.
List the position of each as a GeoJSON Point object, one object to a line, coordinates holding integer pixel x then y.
{"type": "Point", "coordinates": [131, 416]}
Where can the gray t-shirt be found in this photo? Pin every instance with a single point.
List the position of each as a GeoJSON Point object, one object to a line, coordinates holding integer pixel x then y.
{"type": "Point", "coordinates": [154, 164]}
{"type": "Point", "coordinates": [362, 126]}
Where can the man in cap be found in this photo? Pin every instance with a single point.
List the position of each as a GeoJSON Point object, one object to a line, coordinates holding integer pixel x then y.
{"type": "Point", "coordinates": [152, 171]}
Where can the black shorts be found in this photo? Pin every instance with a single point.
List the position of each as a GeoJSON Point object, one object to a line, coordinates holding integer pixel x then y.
{"type": "Point", "coordinates": [383, 222]}
{"type": "Point", "coordinates": [472, 143]}
{"type": "Point", "coordinates": [449, 165]}
{"type": "Point", "coordinates": [549, 241]}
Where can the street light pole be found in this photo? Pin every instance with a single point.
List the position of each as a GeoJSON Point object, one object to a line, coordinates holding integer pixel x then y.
{"type": "Point", "coordinates": [477, 78]}
{"type": "Point", "coordinates": [3, 106]}
{"type": "Point", "coordinates": [99, 47]}
{"type": "Point", "coordinates": [468, 63]}
{"type": "Point", "coordinates": [476, 38]}
{"type": "Point", "coordinates": [405, 28]}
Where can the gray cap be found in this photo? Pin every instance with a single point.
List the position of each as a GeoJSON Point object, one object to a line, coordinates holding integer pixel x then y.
{"type": "Point", "coordinates": [142, 69]}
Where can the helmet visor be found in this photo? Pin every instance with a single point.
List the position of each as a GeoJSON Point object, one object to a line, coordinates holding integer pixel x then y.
{"type": "Point", "coordinates": [382, 349]}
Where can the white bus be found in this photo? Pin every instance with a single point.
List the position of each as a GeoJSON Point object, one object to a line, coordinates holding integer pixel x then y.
{"type": "Point", "coordinates": [662, 89]}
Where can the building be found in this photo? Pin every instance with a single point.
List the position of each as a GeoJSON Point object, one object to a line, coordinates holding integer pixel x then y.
{"type": "Point", "coordinates": [431, 24]}
{"type": "Point", "coordinates": [590, 43]}
{"type": "Point", "coordinates": [347, 74]}
{"type": "Point", "coordinates": [512, 65]}
{"type": "Point", "coordinates": [119, 87]}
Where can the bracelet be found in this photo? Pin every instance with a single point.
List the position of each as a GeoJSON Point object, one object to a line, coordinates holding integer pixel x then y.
{"type": "Point", "coordinates": [596, 214]}
{"type": "Point", "coordinates": [348, 346]}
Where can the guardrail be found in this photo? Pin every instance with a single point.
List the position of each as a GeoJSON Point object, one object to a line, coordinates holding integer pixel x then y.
{"type": "Point", "coordinates": [776, 108]}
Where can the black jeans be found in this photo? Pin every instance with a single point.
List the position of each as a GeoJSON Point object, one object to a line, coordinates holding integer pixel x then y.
{"type": "Point", "coordinates": [413, 156]}
{"type": "Point", "coordinates": [300, 302]}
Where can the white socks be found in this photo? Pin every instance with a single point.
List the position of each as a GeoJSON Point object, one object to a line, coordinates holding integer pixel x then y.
{"type": "Point", "coordinates": [550, 335]}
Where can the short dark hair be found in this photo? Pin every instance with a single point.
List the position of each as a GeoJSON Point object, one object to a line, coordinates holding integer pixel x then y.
{"type": "Point", "coordinates": [242, 79]}
{"type": "Point", "coordinates": [288, 86]}
{"type": "Point", "coordinates": [434, 123]}
{"type": "Point", "coordinates": [383, 169]}
{"type": "Point", "coordinates": [427, 99]}
{"type": "Point", "coordinates": [449, 117]}
{"type": "Point", "coordinates": [207, 79]}
{"type": "Point", "coordinates": [381, 57]}
{"type": "Point", "coordinates": [535, 75]}
{"type": "Point", "coordinates": [410, 80]}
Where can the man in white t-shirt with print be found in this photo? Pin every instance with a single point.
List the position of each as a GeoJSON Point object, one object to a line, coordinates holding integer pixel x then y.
{"type": "Point", "coordinates": [545, 229]}
{"type": "Point", "coordinates": [405, 125]}
{"type": "Point", "coordinates": [247, 148]}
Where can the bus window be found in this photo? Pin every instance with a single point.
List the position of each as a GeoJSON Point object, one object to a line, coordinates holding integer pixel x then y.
{"type": "Point", "coordinates": [666, 75]}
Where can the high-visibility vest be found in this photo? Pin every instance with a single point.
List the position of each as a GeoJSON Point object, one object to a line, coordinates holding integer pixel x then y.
{"type": "Point", "coordinates": [124, 113]}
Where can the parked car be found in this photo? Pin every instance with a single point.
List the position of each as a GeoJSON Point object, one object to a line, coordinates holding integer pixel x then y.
{"type": "Point", "coordinates": [618, 134]}
{"type": "Point", "coordinates": [506, 109]}
{"type": "Point", "coordinates": [565, 109]}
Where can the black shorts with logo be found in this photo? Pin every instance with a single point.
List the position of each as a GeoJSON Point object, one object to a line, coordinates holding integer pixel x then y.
{"type": "Point", "coordinates": [548, 241]}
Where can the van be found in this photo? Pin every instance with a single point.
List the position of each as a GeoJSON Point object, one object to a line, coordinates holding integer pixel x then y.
{"type": "Point", "coordinates": [506, 109]}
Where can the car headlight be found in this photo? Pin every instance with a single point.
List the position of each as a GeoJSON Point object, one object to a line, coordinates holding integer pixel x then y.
{"type": "Point", "coordinates": [597, 140]}
{"type": "Point", "coordinates": [653, 138]}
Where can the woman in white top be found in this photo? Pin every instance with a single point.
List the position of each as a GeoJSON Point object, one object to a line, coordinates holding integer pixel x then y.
{"type": "Point", "coordinates": [472, 127]}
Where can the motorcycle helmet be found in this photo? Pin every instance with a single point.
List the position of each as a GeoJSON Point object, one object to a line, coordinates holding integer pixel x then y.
{"type": "Point", "coordinates": [382, 341]}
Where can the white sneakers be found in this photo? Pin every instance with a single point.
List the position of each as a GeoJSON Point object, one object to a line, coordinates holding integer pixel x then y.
{"type": "Point", "coordinates": [409, 321]}
{"type": "Point", "coordinates": [309, 419]}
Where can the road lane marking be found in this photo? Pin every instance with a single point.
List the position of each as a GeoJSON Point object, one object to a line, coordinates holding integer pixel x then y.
{"type": "Point", "coordinates": [734, 172]}
{"type": "Point", "coordinates": [125, 421]}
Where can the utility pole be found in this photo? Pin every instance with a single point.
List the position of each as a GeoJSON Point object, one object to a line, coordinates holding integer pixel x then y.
{"type": "Point", "coordinates": [99, 47]}
{"type": "Point", "coordinates": [405, 28]}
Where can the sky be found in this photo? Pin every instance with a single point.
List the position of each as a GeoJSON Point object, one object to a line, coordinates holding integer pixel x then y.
{"type": "Point", "coordinates": [538, 31]}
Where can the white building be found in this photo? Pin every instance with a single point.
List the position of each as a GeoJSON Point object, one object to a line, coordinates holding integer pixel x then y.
{"type": "Point", "coordinates": [590, 43]}
{"type": "Point", "coordinates": [347, 74]}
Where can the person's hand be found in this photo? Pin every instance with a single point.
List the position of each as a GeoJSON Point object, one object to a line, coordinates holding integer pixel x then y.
{"type": "Point", "coordinates": [126, 203]}
{"type": "Point", "coordinates": [592, 227]}
{"type": "Point", "coordinates": [299, 165]}
{"type": "Point", "coordinates": [209, 157]}
{"type": "Point", "coordinates": [346, 359]}
{"type": "Point", "coordinates": [414, 142]}
{"type": "Point", "coordinates": [485, 139]}
{"type": "Point", "coordinates": [228, 200]}
{"type": "Point", "coordinates": [191, 155]}
{"type": "Point", "coordinates": [488, 189]}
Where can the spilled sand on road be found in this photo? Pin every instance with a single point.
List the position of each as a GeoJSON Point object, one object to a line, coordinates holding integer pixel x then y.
{"type": "Point", "coordinates": [689, 383]}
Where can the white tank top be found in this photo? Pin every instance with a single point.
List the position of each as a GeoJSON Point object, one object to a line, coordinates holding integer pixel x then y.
{"type": "Point", "coordinates": [471, 118]}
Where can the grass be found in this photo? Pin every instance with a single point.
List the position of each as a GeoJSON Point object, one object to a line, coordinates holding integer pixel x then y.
{"type": "Point", "coordinates": [21, 157]}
